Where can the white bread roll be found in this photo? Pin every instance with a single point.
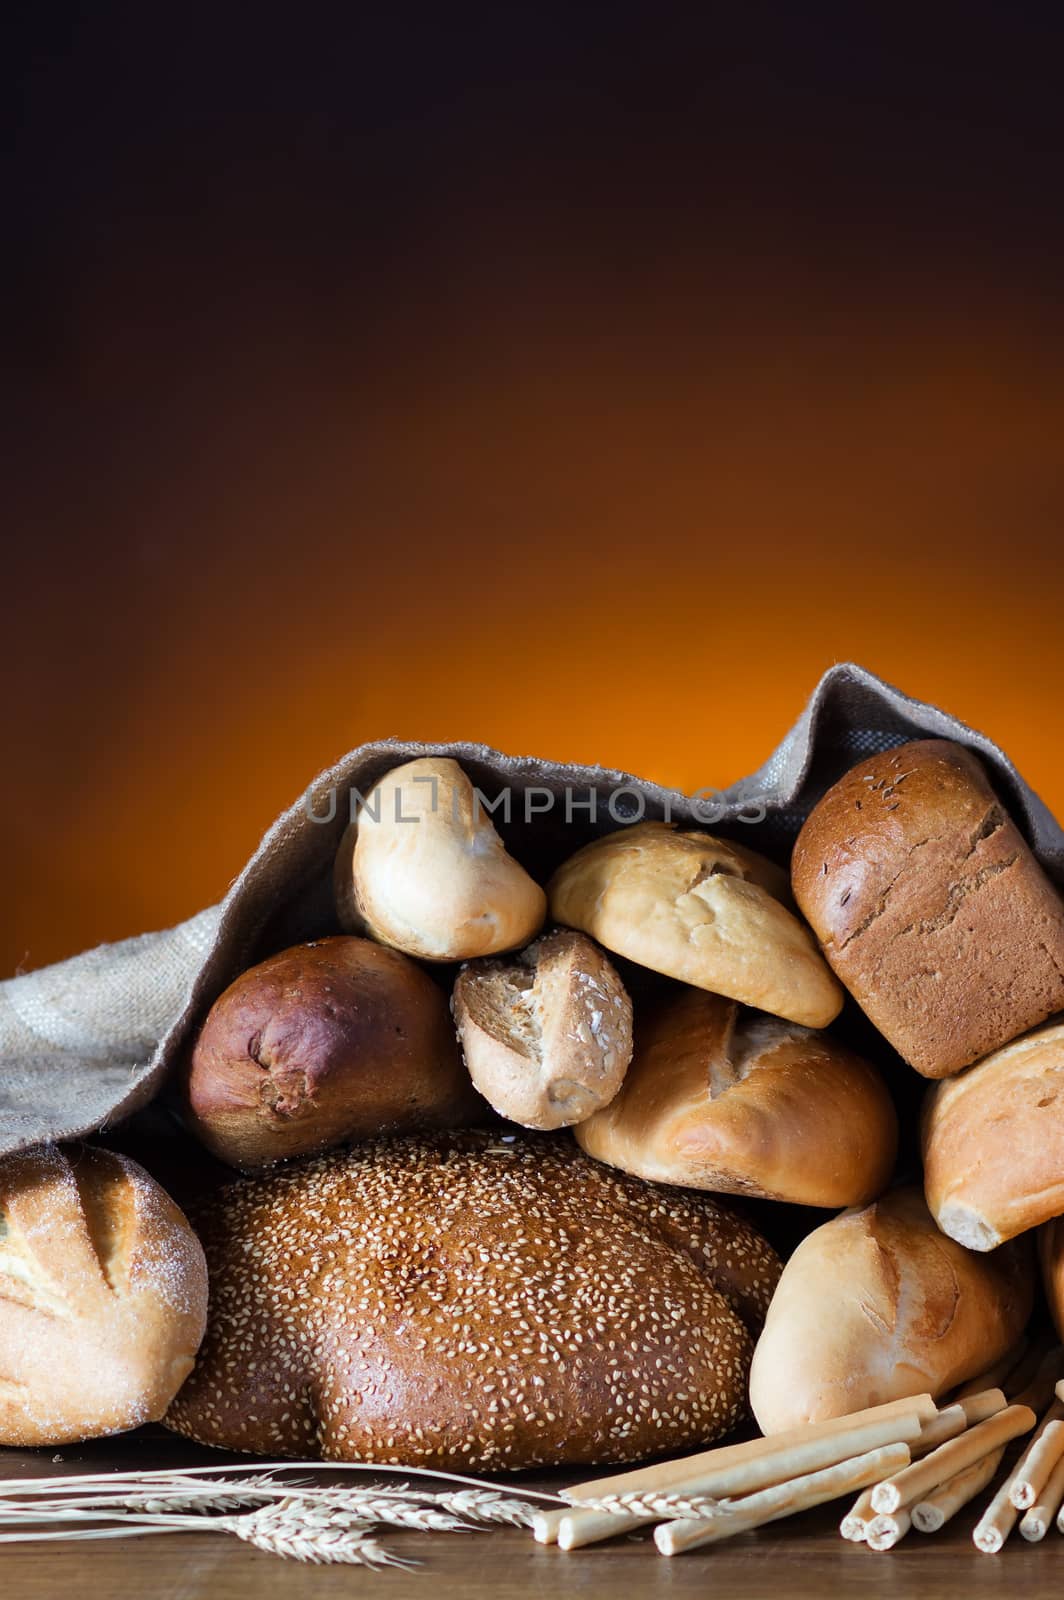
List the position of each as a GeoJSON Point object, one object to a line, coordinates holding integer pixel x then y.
{"type": "Point", "coordinates": [876, 1305]}
{"type": "Point", "coordinates": [703, 910]}
{"type": "Point", "coordinates": [103, 1297]}
{"type": "Point", "coordinates": [547, 1035]}
{"type": "Point", "coordinates": [736, 1101]}
{"type": "Point", "coordinates": [993, 1142]}
{"type": "Point", "coordinates": [423, 869]}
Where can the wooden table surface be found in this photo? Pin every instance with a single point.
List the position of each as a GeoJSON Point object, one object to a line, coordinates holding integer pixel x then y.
{"type": "Point", "coordinates": [799, 1557]}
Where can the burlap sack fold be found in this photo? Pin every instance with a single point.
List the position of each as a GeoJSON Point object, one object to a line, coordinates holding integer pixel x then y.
{"type": "Point", "coordinates": [87, 1041]}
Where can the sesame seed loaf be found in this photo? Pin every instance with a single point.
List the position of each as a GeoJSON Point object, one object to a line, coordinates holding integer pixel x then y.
{"type": "Point", "coordinates": [930, 907]}
{"type": "Point", "coordinates": [471, 1300]}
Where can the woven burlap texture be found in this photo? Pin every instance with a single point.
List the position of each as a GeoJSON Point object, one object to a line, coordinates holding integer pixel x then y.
{"type": "Point", "coordinates": [87, 1041]}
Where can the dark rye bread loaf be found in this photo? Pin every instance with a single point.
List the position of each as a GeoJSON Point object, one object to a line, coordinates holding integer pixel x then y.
{"type": "Point", "coordinates": [471, 1301]}
{"type": "Point", "coordinates": [930, 907]}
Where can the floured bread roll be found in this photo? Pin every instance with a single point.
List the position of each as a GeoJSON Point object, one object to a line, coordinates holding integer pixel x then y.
{"type": "Point", "coordinates": [703, 910]}
{"type": "Point", "coordinates": [103, 1296]}
{"type": "Point", "coordinates": [423, 869]}
{"type": "Point", "coordinates": [547, 1034]}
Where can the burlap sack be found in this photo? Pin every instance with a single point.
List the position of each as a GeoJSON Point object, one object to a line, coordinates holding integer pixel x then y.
{"type": "Point", "coordinates": [87, 1041]}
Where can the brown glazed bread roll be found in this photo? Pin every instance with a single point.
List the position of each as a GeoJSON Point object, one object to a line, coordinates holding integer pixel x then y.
{"type": "Point", "coordinates": [103, 1296]}
{"type": "Point", "coordinates": [699, 909]}
{"type": "Point", "coordinates": [335, 1039]}
{"type": "Point", "coordinates": [423, 869]}
{"type": "Point", "coordinates": [471, 1302]}
{"type": "Point", "coordinates": [719, 1098]}
{"type": "Point", "coordinates": [993, 1142]}
{"type": "Point", "coordinates": [876, 1305]}
{"type": "Point", "coordinates": [547, 1035]}
{"type": "Point", "coordinates": [930, 907]}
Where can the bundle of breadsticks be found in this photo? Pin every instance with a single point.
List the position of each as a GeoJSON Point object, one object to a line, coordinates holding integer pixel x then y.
{"type": "Point", "coordinates": [916, 1466]}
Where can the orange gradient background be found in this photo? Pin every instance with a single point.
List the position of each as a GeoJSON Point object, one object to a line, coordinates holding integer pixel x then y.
{"type": "Point", "coordinates": [533, 412]}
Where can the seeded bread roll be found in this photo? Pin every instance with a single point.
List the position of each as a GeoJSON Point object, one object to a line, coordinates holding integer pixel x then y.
{"type": "Point", "coordinates": [547, 1035]}
{"type": "Point", "coordinates": [422, 869]}
{"type": "Point", "coordinates": [876, 1305]}
{"type": "Point", "coordinates": [721, 1098]}
{"type": "Point", "coordinates": [331, 1040]}
{"type": "Point", "coordinates": [930, 907]}
{"type": "Point", "coordinates": [699, 909]}
{"type": "Point", "coordinates": [469, 1302]}
{"type": "Point", "coordinates": [103, 1297]}
{"type": "Point", "coordinates": [993, 1142]}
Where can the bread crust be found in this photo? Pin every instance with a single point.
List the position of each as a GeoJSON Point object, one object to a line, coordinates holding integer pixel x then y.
{"type": "Point", "coordinates": [877, 1304]}
{"type": "Point", "coordinates": [993, 1142]}
{"type": "Point", "coordinates": [471, 1302]}
{"type": "Point", "coordinates": [703, 910]}
{"type": "Point", "coordinates": [736, 1101]}
{"type": "Point", "coordinates": [930, 907]}
{"type": "Point", "coordinates": [334, 1039]}
{"type": "Point", "coordinates": [547, 1035]}
{"type": "Point", "coordinates": [423, 870]}
{"type": "Point", "coordinates": [103, 1296]}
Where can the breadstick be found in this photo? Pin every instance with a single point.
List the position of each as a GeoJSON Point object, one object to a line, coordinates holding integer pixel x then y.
{"type": "Point", "coordinates": [941, 1504]}
{"type": "Point", "coordinates": [955, 1418]}
{"type": "Point", "coordinates": [854, 1525]}
{"type": "Point", "coordinates": [914, 1482]}
{"type": "Point", "coordinates": [781, 1500]}
{"type": "Point", "coordinates": [545, 1525]}
{"type": "Point", "coordinates": [1036, 1466]}
{"type": "Point", "coordinates": [999, 1518]}
{"type": "Point", "coordinates": [994, 1377]}
{"type": "Point", "coordinates": [738, 1469]}
{"type": "Point", "coordinates": [885, 1531]}
{"type": "Point", "coordinates": [1038, 1521]}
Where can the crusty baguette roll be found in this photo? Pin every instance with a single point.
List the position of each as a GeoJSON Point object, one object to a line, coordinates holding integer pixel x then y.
{"type": "Point", "coordinates": [334, 1039]}
{"type": "Point", "coordinates": [732, 1100]}
{"type": "Point", "coordinates": [547, 1034]}
{"type": "Point", "coordinates": [993, 1142]}
{"type": "Point", "coordinates": [471, 1301]}
{"type": "Point", "coordinates": [422, 869]}
{"type": "Point", "coordinates": [103, 1296]}
{"type": "Point", "coordinates": [876, 1305]}
{"type": "Point", "coordinates": [703, 910]}
{"type": "Point", "coordinates": [930, 906]}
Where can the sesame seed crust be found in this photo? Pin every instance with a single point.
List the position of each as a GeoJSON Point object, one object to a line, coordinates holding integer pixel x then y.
{"type": "Point", "coordinates": [471, 1301]}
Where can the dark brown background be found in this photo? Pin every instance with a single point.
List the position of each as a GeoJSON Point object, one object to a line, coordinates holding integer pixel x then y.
{"type": "Point", "coordinates": [583, 380]}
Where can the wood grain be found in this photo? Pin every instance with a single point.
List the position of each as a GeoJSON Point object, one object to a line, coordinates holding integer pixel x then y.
{"type": "Point", "coordinates": [802, 1557]}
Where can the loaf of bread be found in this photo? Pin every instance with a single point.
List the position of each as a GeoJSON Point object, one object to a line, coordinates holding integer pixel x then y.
{"type": "Point", "coordinates": [721, 1098]}
{"type": "Point", "coordinates": [993, 1142]}
{"type": "Point", "coordinates": [422, 869]}
{"type": "Point", "coordinates": [103, 1297]}
{"type": "Point", "coordinates": [703, 910]}
{"type": "Point", "coordinates": [1051, 1259]}
{"type": "Point", "coordinates": [876, 1305]}
{"type": "Point", "coordinates": [471, 1301]}
{"type": "Point", "coordinates": [336, 1039]}
{"type": "Point", "coordinates": [547, 1034]}
{"type": "Point", "coordinates": [930, 906]}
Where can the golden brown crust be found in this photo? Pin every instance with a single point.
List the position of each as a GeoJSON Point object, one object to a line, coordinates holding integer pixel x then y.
{"type": "Point", "coordinates": [334, 1039]}
{"type": "Point", "coordinates": [993, 1142]}
{"type": "Point", "coordinates": [877, 1304]}
{"type": "Point", "coordinates": [702, 910]}
{"type": "Point", "coordinates": [103, 1296]}
{"type": "Point", "coordinates": [471, 1301]}
{"type": "Point", "coordinates": [731, 1100]}
{"type": "Point", "coordinates": [547, 1033]}
{"type": "Point", "coordinates": [930, 907]}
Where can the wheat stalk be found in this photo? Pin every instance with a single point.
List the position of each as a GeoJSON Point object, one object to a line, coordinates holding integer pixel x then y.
{"type": "Point", "coordinates": [487, 1505]}
{"type": "Point", "coordinates": [313, 1533]}
{"type": "Point", "coordinates": [662, 1506]}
